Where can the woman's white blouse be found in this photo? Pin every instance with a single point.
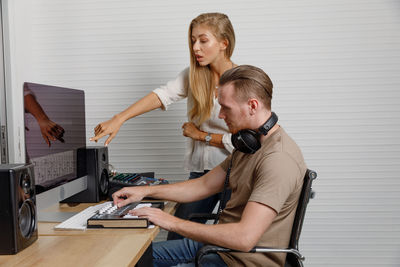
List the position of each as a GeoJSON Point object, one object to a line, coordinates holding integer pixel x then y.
{"type": "Point", "coordinates": [198, 155]}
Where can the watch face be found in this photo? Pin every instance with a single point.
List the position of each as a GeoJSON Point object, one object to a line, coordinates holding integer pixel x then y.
{"type": "Point", "coordinates": [208, 138]}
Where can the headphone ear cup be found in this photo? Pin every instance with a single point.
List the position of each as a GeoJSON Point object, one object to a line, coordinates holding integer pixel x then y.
{"type": "Point", "coordinates": [246, 141]}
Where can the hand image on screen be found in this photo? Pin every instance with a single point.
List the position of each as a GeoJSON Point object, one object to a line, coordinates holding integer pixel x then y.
{"type": "Point", "coordinates": [50, 130]}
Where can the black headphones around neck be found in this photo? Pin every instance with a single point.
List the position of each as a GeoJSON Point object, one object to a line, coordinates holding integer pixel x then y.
{"type": "Point", "coordinates": [248, 141]}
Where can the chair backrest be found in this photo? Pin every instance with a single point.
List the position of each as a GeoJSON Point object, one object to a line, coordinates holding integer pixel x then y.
{"type": "Point", "coordinates": [305, 195]}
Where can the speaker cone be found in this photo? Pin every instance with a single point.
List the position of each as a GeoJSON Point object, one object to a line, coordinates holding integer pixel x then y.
{"type": "Point", "coordinates": [26, 218]}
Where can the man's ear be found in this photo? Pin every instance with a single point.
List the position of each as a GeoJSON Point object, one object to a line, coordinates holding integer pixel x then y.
{"type": "Point", "coordinates": [253, 105]}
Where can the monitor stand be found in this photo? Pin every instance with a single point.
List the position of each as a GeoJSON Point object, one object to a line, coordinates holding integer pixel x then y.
{"type": "Point", "coordinates": [47, 202]}
{"type": "Point", "coordinates": [54, 216]}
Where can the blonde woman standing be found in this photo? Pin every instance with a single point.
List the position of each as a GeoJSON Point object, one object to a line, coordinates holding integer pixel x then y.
{"type": "Point", "coordinates": [211, 44]}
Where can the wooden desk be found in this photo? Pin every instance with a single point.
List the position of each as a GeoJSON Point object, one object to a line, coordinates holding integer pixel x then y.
{"type": "Point", "coordinates": [91, 247]}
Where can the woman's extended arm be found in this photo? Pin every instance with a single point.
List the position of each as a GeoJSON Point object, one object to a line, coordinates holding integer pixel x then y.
{"type": "Point", "coordinates": [112, 126]}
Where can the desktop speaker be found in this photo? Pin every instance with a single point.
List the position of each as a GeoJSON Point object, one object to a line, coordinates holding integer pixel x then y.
{"type": "Point", "coordinates": [93, 162]}
{"type": "Point", "coordinates": [18, 222]}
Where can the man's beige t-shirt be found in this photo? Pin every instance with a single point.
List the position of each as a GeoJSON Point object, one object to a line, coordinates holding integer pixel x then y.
{"type": "Point", "coordinates": [274, 177]}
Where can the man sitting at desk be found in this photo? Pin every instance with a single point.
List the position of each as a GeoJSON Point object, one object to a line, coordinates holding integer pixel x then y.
{"type": "Point", "coordinates": [265, 185]}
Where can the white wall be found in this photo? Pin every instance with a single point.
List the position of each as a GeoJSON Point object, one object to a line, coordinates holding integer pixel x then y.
{"type": "Point", "coordinates": [16, 22]}
{"type": "Point", "coordinates": [335, 67]}
{"type": "Point", "coordinates": [3, 117]}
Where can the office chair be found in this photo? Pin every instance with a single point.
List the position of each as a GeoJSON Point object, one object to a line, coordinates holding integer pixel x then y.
{"type": "Point", "coordinates": [293, 257]}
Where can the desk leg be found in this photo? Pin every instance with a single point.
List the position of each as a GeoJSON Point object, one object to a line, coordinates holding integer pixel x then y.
{"type": "Point", "coordinates": [147, 258]}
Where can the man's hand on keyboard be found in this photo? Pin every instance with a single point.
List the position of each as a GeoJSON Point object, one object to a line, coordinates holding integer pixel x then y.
{"type": "Point", "coordinates": [157, 217]}
{"type": "Point", "coordinates": [128, 195]}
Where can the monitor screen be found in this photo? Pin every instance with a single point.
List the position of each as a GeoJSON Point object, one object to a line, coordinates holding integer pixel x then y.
{"type": "Point", "coordinates": [54, 131]}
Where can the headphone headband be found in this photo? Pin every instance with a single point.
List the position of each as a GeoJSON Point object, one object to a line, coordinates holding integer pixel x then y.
{"type": "Point", "coordinates": [272, 120]}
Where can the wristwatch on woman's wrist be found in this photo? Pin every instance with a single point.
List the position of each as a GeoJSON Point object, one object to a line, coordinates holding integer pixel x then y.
{"type": "Point", "coordinates": [208, 139]}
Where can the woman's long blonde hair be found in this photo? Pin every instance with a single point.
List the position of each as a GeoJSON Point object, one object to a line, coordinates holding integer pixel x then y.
{"type": "Point", "coordinates": [201, 80]}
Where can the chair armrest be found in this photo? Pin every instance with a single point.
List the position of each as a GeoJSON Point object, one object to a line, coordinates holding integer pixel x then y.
{"type": "Point", "coordinates": [214, 249]}
{"type": "Point", "coordinates": [278, 250]}
{"type": "Point", "coordinates": [208, 216]}
{"type": "Point", "coordinates": [207, 249]}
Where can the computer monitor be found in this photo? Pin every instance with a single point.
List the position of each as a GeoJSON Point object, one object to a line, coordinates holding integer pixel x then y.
{"type": "Point", "coordinates": [54, 132]}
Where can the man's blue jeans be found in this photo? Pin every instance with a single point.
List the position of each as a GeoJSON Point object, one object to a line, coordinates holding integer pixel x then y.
{"type": "Point", "coordinates": [182, 252]}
